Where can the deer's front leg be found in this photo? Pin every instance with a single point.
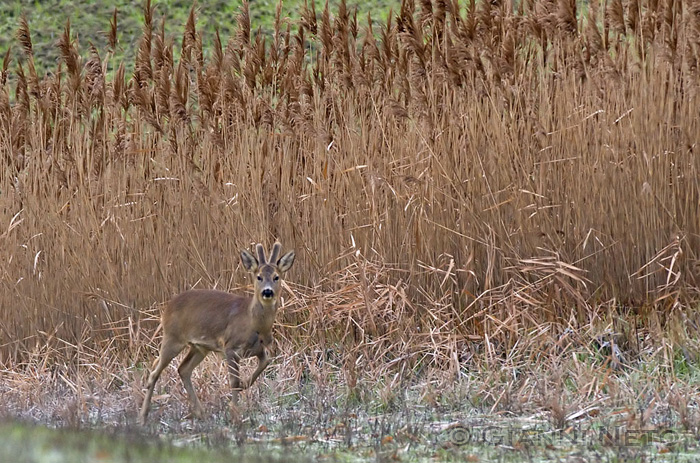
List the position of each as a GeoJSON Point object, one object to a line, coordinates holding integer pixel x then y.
{"type": "Point", "coordinates": [263, 362]}
{"type": "Point", "coordinates": [233, 359]}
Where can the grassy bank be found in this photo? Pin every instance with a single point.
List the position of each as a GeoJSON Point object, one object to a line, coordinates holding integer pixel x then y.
{"type": "Point", "coordinates": [25, 443]}
{"type": "Point", "coordinates": [48, 18]}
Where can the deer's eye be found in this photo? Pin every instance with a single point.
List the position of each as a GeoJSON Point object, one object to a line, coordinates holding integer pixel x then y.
{"type": "Point", "coordinates": [259, 278]}
{"type": "Point", "coordinates": [277, 277]}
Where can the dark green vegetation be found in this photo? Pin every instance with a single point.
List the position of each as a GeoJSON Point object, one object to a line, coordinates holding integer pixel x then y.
{"type": "Point", "coordinates": [22, 443]}
{"type": "Point", "coordinates": [496, 213]}
{"type": "Point", "coordinates": [47, 20]}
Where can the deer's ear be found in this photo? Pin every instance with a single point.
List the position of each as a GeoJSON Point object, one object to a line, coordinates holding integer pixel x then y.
{"type": "Point", "coordinates": [286, 261]}
{"type": "Point", "coordinates": [249, 262]}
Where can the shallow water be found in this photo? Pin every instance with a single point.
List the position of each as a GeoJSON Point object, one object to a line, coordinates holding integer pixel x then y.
{"type": "Point", "coordinates": [481, 439]}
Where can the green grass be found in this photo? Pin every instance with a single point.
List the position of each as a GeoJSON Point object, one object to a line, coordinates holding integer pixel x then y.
{"type": "Point", "coordinates": [23, 443]}
{"type": "Point", "coordinates": [90, 22]}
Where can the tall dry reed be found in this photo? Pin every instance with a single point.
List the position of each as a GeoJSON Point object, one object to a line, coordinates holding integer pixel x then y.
{"type": "Point", "coordinates": [456, 176]}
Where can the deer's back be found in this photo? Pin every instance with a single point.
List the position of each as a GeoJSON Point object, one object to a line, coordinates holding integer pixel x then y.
{"type": "Point", "coordinates": [208, 317]}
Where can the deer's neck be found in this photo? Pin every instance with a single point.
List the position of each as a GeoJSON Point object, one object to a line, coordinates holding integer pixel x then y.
{"type": "Point", "coordinates": [262, 316]}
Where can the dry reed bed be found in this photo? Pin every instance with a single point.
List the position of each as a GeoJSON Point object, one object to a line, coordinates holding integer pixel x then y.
{"type": "Point", "coordinates": [470, 185]}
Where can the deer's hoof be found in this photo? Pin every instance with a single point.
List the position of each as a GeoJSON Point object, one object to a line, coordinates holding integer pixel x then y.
{"type": "Point", "coordinates": [235, 412]}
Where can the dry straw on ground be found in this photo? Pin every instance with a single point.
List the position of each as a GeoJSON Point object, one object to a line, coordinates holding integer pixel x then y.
{"type": "Point", "coordinates": [468, 186]}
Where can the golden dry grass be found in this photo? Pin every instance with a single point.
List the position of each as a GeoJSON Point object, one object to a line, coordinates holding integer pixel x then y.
{"type": "Point", "coordinates": [465, 188]}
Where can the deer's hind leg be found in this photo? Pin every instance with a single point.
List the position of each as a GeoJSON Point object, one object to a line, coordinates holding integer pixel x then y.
{"type": "Point", "coordinates": [168, 351]}
{"type": "Point", "coordinates": [193, 358]}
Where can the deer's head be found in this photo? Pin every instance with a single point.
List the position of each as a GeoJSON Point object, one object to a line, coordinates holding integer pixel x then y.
{"type": "Point", "coordinates": [267, 274]}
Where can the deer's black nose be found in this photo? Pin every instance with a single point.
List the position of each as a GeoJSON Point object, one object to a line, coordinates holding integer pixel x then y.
{"type": "Point", "coordinates": [267, 293]}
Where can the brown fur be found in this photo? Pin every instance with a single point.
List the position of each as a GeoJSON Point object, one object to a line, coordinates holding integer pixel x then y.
{"type": "Point", "coordinates": [215, 321]}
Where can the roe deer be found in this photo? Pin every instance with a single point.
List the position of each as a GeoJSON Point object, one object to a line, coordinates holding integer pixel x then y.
{"type": "Point", "coordinates": [209, 320]}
